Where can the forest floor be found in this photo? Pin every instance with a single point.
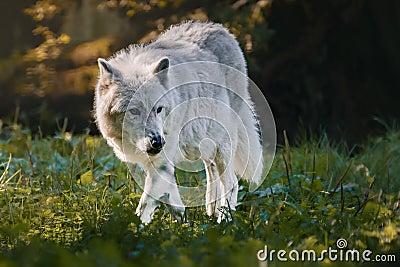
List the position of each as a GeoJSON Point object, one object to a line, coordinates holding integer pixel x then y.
{"type": "Point", "coordinates": [66, 200]}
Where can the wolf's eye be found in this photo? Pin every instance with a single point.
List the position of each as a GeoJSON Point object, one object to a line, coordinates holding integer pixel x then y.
{"type": "Point", "coordinates": [134, 111]}
{"type": "Point", "coordinates": [159, 109]}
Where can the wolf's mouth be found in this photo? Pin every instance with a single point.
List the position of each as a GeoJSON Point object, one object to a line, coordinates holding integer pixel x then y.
{"type": "Point", "coordinates": [153, 151]}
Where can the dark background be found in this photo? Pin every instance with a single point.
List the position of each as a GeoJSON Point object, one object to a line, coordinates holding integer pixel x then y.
{"type": "Point", "coordinates": [329, 66]}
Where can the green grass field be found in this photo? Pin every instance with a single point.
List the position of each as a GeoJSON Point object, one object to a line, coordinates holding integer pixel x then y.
{"type": "Point", "coordinates": [66, 200]}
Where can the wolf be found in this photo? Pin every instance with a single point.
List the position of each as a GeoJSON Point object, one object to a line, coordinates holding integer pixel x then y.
{"type": "Point", "coordinates": [183, 97]}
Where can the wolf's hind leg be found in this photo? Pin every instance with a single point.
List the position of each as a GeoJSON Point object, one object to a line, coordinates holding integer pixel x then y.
{"type": "Point", "coordinates": [229, 185]}
{"type": "Point", "coordinates": [229, 192]}
{"type": "Point", "coordinates": [213, 191]}
{"type": "Point", "coordinates": [230, 189]}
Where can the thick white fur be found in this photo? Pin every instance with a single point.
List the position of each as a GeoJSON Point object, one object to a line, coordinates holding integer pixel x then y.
{"type": "Point", "coordinates": [198, 120]}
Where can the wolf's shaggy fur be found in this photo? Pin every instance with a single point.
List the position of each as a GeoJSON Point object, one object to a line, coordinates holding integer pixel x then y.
{"type": "Point", "coordinates": [145, 95]}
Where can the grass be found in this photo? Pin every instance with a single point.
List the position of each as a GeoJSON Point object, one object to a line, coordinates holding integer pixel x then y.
{"type": "Point", "coordinates": [66, 200]}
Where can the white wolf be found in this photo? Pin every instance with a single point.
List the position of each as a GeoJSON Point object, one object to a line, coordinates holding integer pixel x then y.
{"type": "Point", "coordinates": [184, 95]}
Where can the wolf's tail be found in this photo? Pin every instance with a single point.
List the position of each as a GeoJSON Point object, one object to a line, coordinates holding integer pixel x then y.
{"type": "Point", "coordinates": [248, 162]}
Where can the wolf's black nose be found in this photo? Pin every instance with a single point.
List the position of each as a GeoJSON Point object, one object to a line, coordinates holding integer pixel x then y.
{"type": "Point", "coordinates": [157, 142]}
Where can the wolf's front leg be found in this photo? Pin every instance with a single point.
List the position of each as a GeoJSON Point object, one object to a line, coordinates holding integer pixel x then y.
{"type": "Point", "coordinates": [160, 186]}
{"type": "Point", "coordinates": [147, 206]}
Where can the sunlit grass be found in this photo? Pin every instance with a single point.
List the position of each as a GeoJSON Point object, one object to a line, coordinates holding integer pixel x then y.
{"type": "Point", "coordinates": [66, 200]}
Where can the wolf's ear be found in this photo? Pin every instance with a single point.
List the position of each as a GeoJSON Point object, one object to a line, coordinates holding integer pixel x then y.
{"type": "Point", "coordinates": [107, 73]}
{"type": "Point", "coordinates": [163, 64]}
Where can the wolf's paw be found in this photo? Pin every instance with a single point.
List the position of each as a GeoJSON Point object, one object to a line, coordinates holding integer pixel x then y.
{"type": "Point", "coordinates": [145, 215]}
{"type": "Point", "coordinates": [177, 213]}
{"type": "Point", "coordinates": [212, 208]}
{"type": "Point", "coordinates": [146, 208]}
{"type": "Point", "coordinates": [225, 214]}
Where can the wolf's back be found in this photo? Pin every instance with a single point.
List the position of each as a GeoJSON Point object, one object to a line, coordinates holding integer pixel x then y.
{"type": "Point", "coordinates": [210, 37]}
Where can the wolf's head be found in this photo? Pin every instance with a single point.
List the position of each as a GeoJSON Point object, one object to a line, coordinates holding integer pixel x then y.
{"type": "Point", "coordinates": [129, 105]}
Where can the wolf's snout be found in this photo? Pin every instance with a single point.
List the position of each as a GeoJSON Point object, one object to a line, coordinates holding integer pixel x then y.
{"type": "Point", "coordinates": [156, 144]}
